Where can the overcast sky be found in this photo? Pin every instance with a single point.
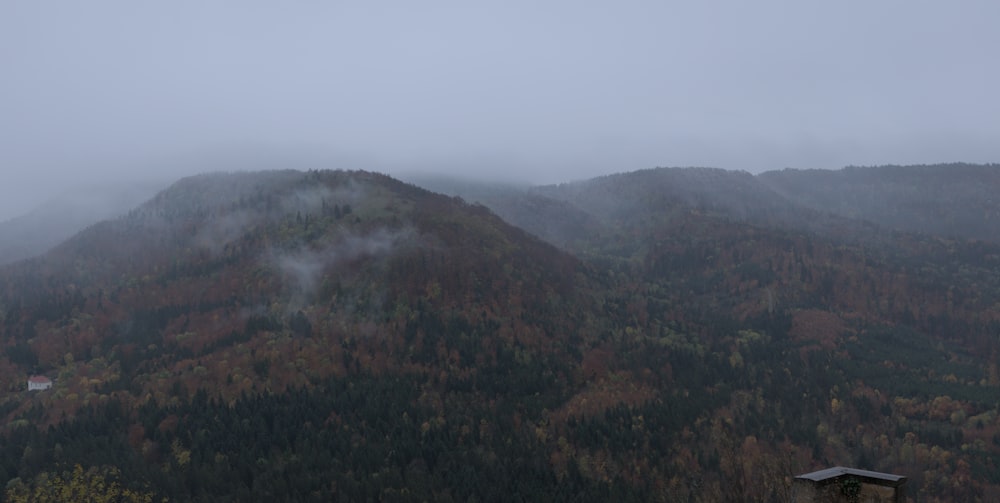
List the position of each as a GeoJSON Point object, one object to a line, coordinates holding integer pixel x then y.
{"type": "Point", "coordinates": [540, 90]}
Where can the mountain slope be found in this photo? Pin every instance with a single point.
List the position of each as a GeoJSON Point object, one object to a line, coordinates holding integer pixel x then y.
{"type": "Point", "coordinates": [349, 252]}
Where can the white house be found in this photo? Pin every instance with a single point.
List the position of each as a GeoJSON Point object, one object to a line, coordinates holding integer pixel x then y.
{"type": "Point", "coordinates": [36, 383]}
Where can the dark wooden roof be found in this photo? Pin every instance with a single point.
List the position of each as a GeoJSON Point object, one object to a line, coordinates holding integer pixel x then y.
{"type": "Point", "coordinates": [839, 471]}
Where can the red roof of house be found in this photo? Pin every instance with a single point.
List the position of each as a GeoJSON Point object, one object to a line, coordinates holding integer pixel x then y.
{"type": "Point", "coordinates": [39, 379]}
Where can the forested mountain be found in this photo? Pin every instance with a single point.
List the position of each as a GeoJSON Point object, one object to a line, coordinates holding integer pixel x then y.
{"type": "Point", "coordinates": [663, 335]}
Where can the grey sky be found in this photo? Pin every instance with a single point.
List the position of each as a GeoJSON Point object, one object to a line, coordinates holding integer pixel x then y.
{"type": "Point", "coordinates": [540, 90]}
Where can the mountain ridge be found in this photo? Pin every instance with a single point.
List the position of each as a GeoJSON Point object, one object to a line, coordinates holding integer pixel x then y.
{"type": "Point", "coordinates": [676, 331]}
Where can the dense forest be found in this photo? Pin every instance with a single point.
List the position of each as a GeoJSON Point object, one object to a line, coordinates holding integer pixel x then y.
{"type": "Point", "coordinates": [662, 335]}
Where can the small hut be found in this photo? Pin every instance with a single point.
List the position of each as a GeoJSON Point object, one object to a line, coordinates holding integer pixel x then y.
{"type": "Point", "coordinates": [840, 484]}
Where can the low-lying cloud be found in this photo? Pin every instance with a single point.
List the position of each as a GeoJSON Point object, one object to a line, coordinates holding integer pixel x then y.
{"type": "Point", "coordinates": [304, 268]}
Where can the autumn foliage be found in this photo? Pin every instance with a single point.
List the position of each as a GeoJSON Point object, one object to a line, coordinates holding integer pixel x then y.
{"type": "Point", "coordinates": [345, 336]}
